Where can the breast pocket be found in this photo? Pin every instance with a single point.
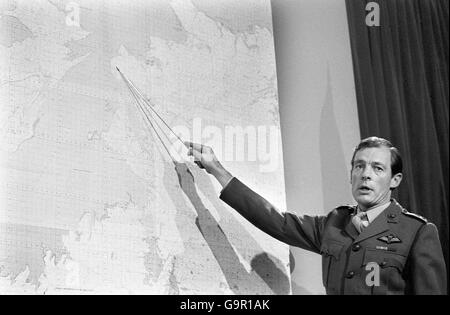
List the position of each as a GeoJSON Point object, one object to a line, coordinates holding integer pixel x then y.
{"type": "Point", "coordinates": [331, 252]}
{"type": "Point", "coordinates": [384, 271]}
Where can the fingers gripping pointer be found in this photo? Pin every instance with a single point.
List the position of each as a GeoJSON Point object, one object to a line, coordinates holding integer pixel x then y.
{"type": "Point", "coordinates": [205, 158]}
{"type": "Point", "coordinates": [203, 155]}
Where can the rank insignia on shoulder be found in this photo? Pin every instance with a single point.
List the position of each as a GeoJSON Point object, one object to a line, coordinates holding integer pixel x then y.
{"type": "Point", "coordinates": [389, 239]}
{"type": "Point", "coordinates": [414, 215]}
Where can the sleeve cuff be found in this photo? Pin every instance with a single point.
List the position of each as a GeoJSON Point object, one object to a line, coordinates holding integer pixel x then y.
{"type": "Point", "coordinates": [226, 185]}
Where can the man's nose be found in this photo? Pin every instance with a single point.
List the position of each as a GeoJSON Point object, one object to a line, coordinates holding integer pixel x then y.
{"type": "Point", "coordinates": [367, 173]}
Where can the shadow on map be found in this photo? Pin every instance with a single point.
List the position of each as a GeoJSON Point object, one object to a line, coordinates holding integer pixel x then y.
{"type": "Point", "coordinates": [240, 281]}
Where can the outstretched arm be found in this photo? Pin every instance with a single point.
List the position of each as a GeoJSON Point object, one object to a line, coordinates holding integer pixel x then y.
{"type": "Point", "coordinates": [302, 231]}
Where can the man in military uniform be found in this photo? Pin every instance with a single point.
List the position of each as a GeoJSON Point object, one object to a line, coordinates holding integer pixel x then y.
{"type": "Point", "coordinates": [376, 247]}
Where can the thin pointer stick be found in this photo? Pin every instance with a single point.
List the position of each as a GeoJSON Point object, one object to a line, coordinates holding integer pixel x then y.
{"type": "Point", "coordinates": [148, 120]}
{"type": "Point", "coordinates": [139, 98]}
{"type": "Point", "coordinates": [154, 129]}
{"type": "Point", "coordinates": [148, 104]}
{"type": "Point", "coordinates": [145, 112]}
{"type": "Point", "coordinates": [135, 91]}
{"type": "Point", "coordinates": [148, 115]}
{"type": "Point", "coordinates": [157, 133]}
{"type": "Point", "coordinates": [153, 110]}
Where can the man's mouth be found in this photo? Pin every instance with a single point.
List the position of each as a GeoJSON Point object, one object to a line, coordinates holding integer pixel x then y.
{"type": "Point", "coordinates": [364, 188]}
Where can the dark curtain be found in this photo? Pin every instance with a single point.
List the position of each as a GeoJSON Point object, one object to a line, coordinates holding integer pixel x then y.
{"type": "Point", "coordinates": [401, 77]}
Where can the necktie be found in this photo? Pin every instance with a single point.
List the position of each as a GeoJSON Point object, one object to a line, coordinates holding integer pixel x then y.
{"type": "Point", "coordinates": [360, 221]}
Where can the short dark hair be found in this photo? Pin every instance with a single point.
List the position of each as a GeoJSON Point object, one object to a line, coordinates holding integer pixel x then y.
{"type": "Point", "coordinates": [376, 142]}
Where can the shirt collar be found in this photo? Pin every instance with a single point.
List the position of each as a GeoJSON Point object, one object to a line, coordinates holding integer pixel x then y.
{"type": "Point", "coordinates": [372, 213]}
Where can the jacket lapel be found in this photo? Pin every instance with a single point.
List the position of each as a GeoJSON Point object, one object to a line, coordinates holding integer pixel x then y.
{"type": "Point", "coordinates": [351, 230]}
{"type": "Point", "coordinates": [380, 224]}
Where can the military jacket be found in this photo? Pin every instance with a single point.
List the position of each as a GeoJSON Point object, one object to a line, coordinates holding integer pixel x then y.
{"type": "Point", "coordinates": [398, 253]}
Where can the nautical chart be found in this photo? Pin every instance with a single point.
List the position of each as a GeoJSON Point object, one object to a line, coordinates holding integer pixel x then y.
{"type": "Point", "coordinates": [90, 199]}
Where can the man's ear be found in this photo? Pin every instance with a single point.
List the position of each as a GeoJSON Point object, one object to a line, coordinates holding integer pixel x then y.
{"type": "Point", "coordinates": [396, 180]}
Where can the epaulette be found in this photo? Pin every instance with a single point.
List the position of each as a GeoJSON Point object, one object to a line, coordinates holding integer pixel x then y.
{"type": "Point", "coordinates": [415, 216]}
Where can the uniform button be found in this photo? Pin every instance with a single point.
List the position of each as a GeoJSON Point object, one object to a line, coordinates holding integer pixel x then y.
{"type": "Point", "coordinates": [383, 264]}
{"type": "Point", "coordinates": [350, 274]}
{"type": "Point", "coordinates": [356, 247]}
{"type": "Point", "coordinates": [391, 215]}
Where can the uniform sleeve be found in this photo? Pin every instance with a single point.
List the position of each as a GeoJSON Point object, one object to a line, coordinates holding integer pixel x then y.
{"type": "Point", "coordinates": [301, 231]}
{"type": "Point", "coordinates": [427, 265]}
{"type": "Point", "coordinates": [225, 186]}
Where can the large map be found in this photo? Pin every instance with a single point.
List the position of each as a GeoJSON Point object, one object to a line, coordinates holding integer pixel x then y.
{"type": "Point", "coordinates": [90, 202]}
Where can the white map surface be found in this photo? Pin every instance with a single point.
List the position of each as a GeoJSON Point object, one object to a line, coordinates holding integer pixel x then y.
{"type": "Point", "coordinates": [89, 201]}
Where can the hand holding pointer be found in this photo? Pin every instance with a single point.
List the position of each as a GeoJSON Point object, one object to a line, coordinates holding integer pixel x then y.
{"type": "Point", "coordinates": [205, 158]}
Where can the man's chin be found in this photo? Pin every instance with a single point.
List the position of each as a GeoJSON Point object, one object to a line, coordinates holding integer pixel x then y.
{"type": "Point", "coordinates": [364, 203]}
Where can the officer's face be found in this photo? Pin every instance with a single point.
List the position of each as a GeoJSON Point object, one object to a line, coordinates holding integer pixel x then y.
{"type": "Point", "coordinates": [372, 178]}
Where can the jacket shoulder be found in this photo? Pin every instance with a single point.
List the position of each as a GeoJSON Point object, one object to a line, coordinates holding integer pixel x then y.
{"type": "Point", "coordinates": [343, 210]}
{"type": "Point", "coordinates": [349, 208]}
{"type": "Point", "coordinates": [339, 215]}
{"type": "Point", "coordinates": [414, 216]}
